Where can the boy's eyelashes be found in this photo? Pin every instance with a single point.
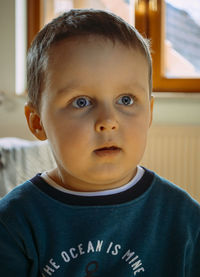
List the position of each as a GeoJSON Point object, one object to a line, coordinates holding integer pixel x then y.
{"type": "Point", "coordinates": [81, 102]}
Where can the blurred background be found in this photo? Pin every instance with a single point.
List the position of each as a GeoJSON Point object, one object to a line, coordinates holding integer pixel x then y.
{"type": "Point", "coordinates": [173, 27]}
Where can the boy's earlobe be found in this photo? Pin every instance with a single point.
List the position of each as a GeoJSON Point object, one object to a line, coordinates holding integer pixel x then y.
{"type": "Point", "coordinates": [34, 122]}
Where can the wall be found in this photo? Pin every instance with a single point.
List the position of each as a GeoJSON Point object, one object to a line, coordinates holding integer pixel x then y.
{"type": "Point", "coordinates": [12, 120]}
{"type": "Point", "coordinates": [177, 108]}
{"type": "Point", "coordinates": [7, 46]}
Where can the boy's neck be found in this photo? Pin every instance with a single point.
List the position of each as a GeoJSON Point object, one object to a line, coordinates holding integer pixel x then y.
{"type": "Point", "coordinates": [81, 186]}
{"type": "Point", "coordinates": [133, 181]}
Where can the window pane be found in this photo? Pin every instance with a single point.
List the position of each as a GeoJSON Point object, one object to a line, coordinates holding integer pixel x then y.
{"type": "Point", "coordinates": [182, 39]}
{"type": "Point", "coordinates": [123, 8]}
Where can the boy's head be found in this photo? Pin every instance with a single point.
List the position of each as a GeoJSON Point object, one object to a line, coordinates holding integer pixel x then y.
{"type": "Point", "coordinates": [89, 82]}
{"type": "Point", "coordinates": [77, 24]}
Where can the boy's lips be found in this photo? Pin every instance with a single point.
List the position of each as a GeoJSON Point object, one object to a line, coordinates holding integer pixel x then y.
{"type": "Point", "coordinates": [107, 151]}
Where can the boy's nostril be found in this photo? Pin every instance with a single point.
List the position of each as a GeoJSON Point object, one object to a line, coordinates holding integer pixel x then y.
{"type": "Point", "coordinates": [102, 128]}
{"type": "Point", "coordinates": [106, 125]}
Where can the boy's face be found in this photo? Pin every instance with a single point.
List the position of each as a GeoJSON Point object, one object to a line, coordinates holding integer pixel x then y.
{"type": "Point", "coordinates": [96, 112]}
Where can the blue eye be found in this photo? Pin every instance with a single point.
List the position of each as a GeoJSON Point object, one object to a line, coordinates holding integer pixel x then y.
{"type": "Point", "coordinates": [126, 100]}
{"type": "Point", "coordinates": [81, 102]}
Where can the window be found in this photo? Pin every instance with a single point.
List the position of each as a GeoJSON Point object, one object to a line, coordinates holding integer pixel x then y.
{"type": "Point", "coordinates": [173, 26]}
{"type": "Point", "coordinates": [41, 12]}
{"type": "Point", "coordinates": [174, 29]}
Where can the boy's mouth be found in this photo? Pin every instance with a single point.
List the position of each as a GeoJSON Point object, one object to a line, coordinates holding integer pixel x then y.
{"type": "Point", "coordinates": [107, 151]}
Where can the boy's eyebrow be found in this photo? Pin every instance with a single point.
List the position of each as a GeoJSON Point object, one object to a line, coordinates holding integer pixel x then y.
{"type": "Point", "coordinates": [135, 87]}
{"type": "Point", "coordinates": [69, 86]}
{"type": "Point", "coordinates": [74, 85]}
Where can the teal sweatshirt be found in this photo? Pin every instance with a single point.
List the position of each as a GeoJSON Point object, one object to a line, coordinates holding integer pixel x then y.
{"type": "Point", "coordinates": [152, 229]}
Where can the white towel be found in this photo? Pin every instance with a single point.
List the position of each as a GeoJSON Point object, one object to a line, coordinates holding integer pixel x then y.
{"type": "Point", "coordinates": [22, 159]}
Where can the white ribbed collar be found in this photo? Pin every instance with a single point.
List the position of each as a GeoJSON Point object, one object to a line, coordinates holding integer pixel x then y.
{"type": "Point", "coordinates": [133, 181]}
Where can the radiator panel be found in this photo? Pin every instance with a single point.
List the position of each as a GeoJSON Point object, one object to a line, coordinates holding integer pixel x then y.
{"type": "Point", "coordinates": [174, 153]}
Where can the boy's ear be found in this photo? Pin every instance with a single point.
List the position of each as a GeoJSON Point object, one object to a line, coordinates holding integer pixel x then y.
{"type": "Point", "coordinates": [34, 122]}
{"type": "Point", "coordinates": [151, 110]}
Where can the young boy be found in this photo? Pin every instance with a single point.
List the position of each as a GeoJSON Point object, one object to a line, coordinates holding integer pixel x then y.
{"type": "Point", "coordinates": [98, 213]}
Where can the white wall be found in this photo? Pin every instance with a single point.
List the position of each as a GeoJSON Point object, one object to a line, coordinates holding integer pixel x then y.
{"type": "Point", "coordinates": [169, 109]}
{"type": "Point", "coordinates": [12, 120]}
{"type": "Point", "coordinates": [7, 46]}
{"type": "Point", "coordinates": [177, 108]}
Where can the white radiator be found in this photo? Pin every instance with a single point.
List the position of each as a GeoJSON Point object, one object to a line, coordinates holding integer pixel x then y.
{"type": "Point", "coordinates": [174, 153]}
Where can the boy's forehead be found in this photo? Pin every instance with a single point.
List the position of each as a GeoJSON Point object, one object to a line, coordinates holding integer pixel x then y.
{"type": "Point", "coordinates": [77, 57]}
{"type": "Point", "coordinates": [98, 42]}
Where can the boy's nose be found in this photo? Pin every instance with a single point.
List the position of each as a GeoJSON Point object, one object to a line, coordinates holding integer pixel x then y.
{"type": "Point", "coordinates": [106, 123]}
